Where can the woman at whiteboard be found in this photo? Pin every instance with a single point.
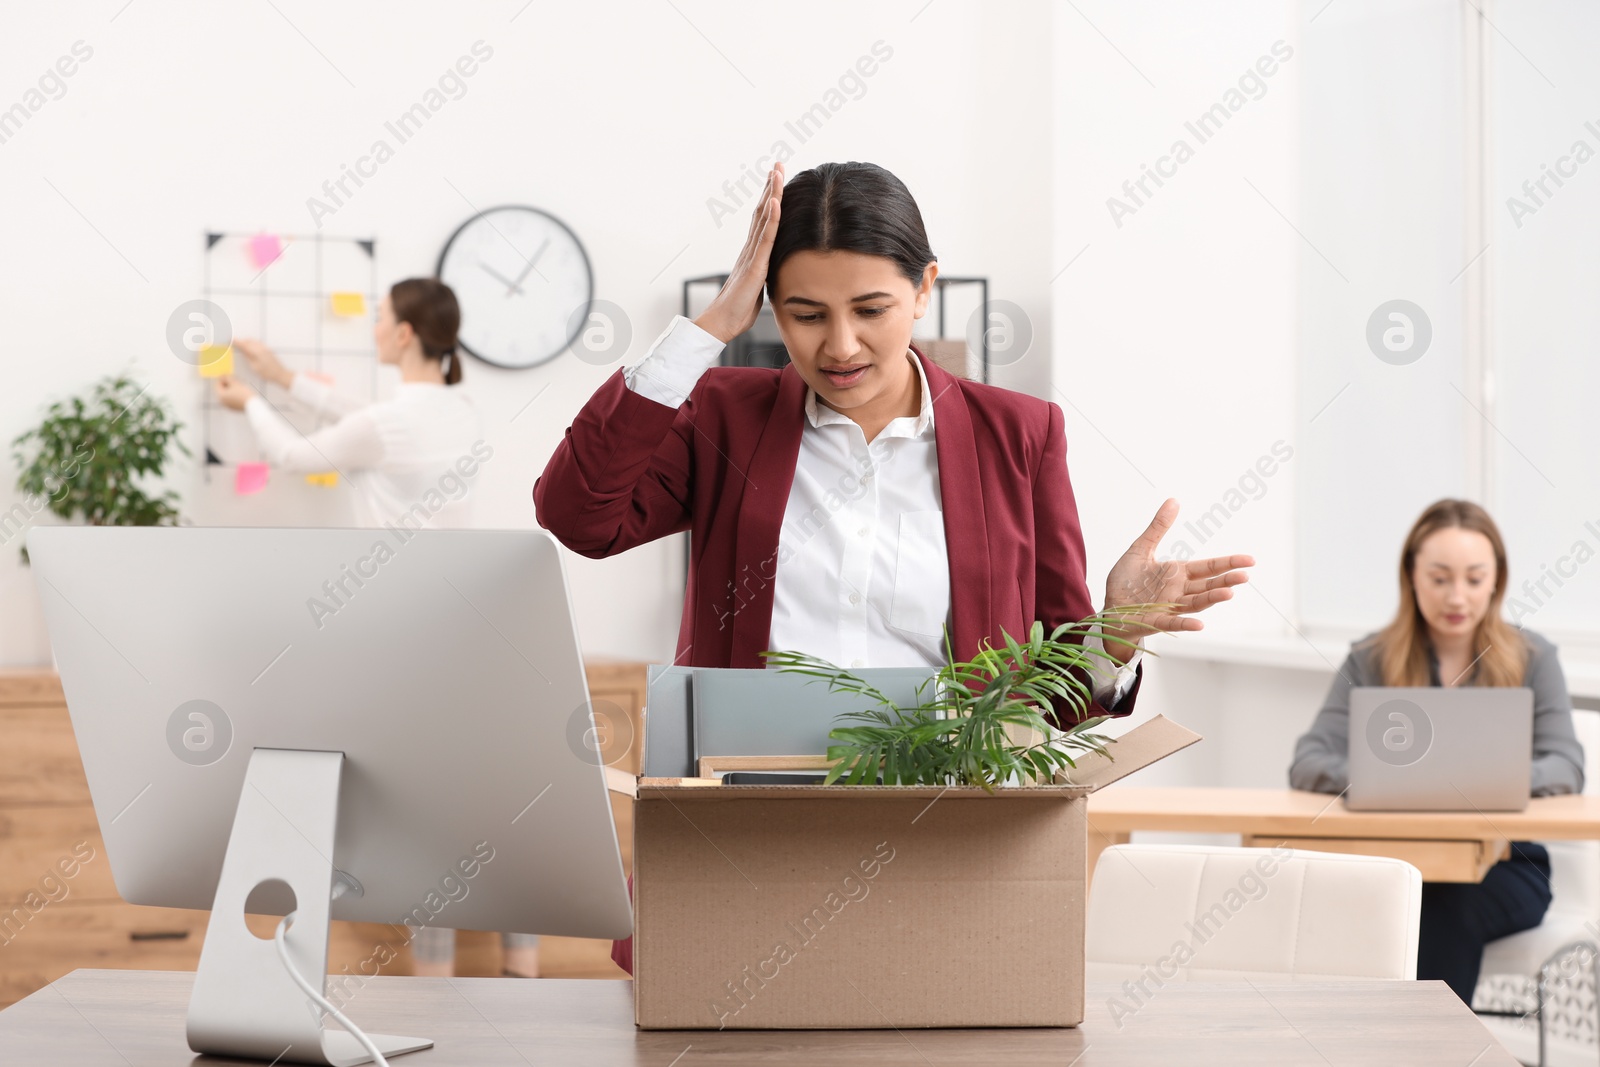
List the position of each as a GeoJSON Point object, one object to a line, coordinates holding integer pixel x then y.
{"type": "Point", "coordinates": [411, 459]}
{"type": "Point", "coordinates": [1449, 632]}
{"type": "Point", "coordinates": [861, 501]}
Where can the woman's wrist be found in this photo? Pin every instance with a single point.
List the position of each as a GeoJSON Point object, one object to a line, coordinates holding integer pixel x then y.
{"type": "Point", "coordinates": [1116, 649]}
{"type": "Point", "coordinates": [1121, 642]}
{"type": "Point", "coordinates": [716, 328]}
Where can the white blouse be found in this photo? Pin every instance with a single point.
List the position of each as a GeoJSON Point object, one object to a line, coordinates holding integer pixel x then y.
{"type": "Point", "coordinates": [410, 459]}
{"type": "Point", "coordinates": [863, 571]}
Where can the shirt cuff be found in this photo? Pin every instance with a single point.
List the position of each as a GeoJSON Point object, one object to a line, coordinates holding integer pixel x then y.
{"type": "Point", "coordinates": [675, 363]}
{"type": "Point", "coordinates": [1111, 681]}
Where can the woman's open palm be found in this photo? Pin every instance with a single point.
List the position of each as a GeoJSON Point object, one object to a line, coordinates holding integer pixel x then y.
{"type": "Point", "coordinates": [738, 302]}
{"type": "Point", "coordinates": [1188, 585]}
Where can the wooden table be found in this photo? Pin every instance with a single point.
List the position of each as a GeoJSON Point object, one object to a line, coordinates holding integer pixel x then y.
{"type": "Point", "coordinates": [135, 1019]}
{"type": "Point", "coordinates": [1447, 846]}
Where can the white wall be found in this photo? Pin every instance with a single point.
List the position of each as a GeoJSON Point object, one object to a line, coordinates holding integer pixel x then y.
{"type": "Point", "coordinates": [1175, 329]}
{"type": "Point", "coordinates": [1544, 261]}
{"type": "Point", "coordinates": [621, 119]}
{"type": "Point", "coordinates": [1175, 323]}
{"type": "Point", "coordinates": [1384, 169]}
{"type": "Point", "coordinates": [1226, 310]}
{"type": "Point", "coordinates": [1176, 336]}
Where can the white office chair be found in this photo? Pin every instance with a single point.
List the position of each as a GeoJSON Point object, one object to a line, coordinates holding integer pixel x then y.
{"type": "Point", "coordinates": [1245, 913]}
{"type": "Point", "coordinates": [1536, 990]}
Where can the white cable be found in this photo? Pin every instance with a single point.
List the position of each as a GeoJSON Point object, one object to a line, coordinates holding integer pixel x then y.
{"type": "Point", "coordinates": [317, 998]}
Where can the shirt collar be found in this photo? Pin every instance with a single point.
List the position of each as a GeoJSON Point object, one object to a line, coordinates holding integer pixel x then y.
{"type": "Point", "coordinates": [819, 414]}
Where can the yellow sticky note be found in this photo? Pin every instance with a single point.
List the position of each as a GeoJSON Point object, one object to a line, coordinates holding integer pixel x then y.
{"type": "Point", "coordinates": [349, 304]}
{"type": "Point", "coordinates": [327, 479]}
{"type": "Point", "coordinates": [216, 360]}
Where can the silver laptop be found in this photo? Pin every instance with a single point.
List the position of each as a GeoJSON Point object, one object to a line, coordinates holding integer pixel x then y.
{"type": "Point", "coordinates": [1435, 749]}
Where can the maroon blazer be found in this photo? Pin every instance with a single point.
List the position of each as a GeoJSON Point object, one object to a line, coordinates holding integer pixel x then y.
{"type": "Point", "coordinates": [631, 470]}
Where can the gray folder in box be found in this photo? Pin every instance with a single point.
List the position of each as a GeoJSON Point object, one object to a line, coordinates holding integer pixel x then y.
{"type": "Point", "coordinates": [712, 711]}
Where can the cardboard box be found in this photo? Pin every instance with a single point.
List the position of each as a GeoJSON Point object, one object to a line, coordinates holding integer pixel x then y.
{"type": "Point", "coordinates": [863, 907]}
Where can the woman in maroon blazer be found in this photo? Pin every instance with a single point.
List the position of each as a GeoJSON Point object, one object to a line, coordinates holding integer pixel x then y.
{"type": "Point", "coordinates": [797, 542]}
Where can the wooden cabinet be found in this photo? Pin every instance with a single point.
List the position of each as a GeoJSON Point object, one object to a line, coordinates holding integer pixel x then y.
{"type": "Point", "coordinates": [59, 908]}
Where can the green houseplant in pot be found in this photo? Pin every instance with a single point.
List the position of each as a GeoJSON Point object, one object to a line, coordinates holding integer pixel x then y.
{"type": "Point", "coordinates": [86, 459]}
{"type": "Point", "coordinates": [984, 722]}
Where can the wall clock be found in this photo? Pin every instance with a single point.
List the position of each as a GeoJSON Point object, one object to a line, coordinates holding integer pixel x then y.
{"type": "Point", "coordinates": [524, 284]}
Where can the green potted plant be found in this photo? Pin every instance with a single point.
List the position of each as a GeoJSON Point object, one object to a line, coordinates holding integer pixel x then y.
{"type": "Point", "coordinates": [985, 721]}
{"type": "Point", "coordinates": [85, 460]}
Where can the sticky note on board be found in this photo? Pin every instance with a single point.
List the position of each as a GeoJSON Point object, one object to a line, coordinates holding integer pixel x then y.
{"type": "Point", "coordinates": [349, 304]}
{"type": "Point", "coordinates": [317, 376]}
{"type": "Point", "coordinates": [326, 479]}
{"type": "Point", "coordinates": [264, 248]}
{"type": "Point", "coordinates": [250, 478]}
{"type": "Point", "coordinates": [216, 360]}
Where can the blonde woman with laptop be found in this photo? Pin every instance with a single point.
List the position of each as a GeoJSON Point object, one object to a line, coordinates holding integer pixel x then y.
{"type": "Point", "coordinates": [1449, 632]}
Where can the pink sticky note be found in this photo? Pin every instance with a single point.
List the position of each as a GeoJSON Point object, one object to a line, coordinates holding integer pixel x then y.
{"type": "Point", "coordinates": [250, 478]}
{"type": "Point", "coordinates": [318, 376]}
{"type": "Point", "coordinates": [264, 248]}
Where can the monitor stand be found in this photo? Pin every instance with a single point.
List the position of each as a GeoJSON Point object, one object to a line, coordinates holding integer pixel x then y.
{"type": "Point", "coordinates": [245, 1004]}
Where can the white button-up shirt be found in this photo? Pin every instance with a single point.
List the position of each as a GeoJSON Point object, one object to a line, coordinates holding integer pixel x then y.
{"type": "Point", "coordinates": [863, 575]}
{"type": "Point", "coordinates": [863, 572]}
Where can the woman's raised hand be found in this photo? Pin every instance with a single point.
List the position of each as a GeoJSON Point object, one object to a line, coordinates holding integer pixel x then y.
{"type": "Point", "coordinates": [739, 301]}
{"type": "Point", "coordinates": [232, 393]}
{"type": "Point", "coordinates": [266, 364]}
{"type": "Point", "coordinates": [1189, 586]}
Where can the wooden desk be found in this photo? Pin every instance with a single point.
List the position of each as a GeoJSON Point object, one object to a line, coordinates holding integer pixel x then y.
{"type": "Point", "coordinates": [123, 1018]}
{"type": "Point", "coordinates": [1447, 846]}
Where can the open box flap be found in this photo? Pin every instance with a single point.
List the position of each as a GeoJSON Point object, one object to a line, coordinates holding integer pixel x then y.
{"type": "Point", "coordinates": [1138, 748]}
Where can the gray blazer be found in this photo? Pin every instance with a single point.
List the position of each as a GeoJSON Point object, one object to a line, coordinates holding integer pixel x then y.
{"type": "Point", "coordinates": [1321, 757]}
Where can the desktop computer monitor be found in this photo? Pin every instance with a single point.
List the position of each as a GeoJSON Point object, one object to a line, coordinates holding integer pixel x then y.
{"type": "Point", "coordinates": [385, 725]}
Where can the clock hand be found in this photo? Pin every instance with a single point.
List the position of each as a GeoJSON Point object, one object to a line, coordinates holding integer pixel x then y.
{"type": "Point", "coordinates": [532, 261]}
{"type": "Point", "coordinates": [511, 286]}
